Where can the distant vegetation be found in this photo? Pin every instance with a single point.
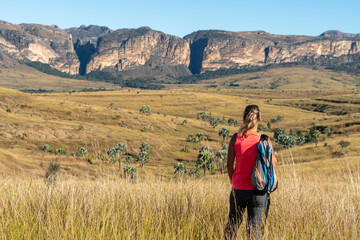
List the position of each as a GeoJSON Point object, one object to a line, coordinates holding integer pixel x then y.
{"type": "Point", "coordinates": [192, 79]}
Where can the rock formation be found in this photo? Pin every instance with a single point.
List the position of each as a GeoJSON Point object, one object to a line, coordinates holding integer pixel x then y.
{"type": "Point", "coordinates": [130, 48]}
{"type": "Point", "coordinates": [212, 50]}
{"type": "Point", "coordinates": [149, 52]}
{"type": "Point", "coordinates": [33, 42]}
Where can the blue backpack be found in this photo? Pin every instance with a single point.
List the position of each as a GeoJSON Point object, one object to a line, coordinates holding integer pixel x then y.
{"type": "Point", "coordinates": [263, 177]}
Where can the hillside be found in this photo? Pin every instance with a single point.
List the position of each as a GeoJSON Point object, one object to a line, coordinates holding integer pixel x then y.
{"type": "Point", "coordinates": [296, 77]}
{"type": "Point", "coordinates": [23, 77]}
{"type": "Point", "coordinates": [99, 120]}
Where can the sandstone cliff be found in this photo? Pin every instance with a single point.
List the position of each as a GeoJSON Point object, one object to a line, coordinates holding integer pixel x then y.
{"type": "Point", "coordinates": [130, 48]}
{"type": "Point", "coordinates": [33, 42]}
{"type": "Point", "coordinates": [212, 50]}
{"type": "Point", "coordinates": [146, 52]}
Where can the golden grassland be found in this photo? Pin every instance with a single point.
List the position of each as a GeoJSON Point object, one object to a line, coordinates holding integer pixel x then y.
{"type": "Point", "coordinates": [316, 200]}
{"type": "Point", "coordinates": [24, 77]}
{"type": "Point", "coordinates": [99, 120]}
{"type": "Point", "coordinates": [289, 78]}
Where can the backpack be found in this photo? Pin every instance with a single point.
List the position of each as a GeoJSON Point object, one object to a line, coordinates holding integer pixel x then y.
{"type": "Point", "coordinates": [263, 177]}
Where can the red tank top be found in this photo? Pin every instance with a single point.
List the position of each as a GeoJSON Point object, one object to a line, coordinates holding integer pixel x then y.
{"type": "Point", "coordinates": [245, 152]}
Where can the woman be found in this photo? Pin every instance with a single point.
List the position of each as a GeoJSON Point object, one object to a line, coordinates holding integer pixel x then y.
{"type": "Point", "coordinates": [243, 145]}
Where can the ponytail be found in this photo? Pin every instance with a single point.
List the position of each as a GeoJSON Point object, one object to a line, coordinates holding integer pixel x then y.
{"type": "Point", "coordinates": [250, 118]}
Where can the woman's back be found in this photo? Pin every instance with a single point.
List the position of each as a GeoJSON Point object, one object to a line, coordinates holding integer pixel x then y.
{"type": "Point", "coordinates": [245, 149]}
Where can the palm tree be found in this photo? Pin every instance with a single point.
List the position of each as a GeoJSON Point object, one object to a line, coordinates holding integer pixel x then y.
{"type": "Point", "coordinates": [205, 159]}
{"type": "Point", "coordinates": [180, 169]}
{"type": "Point", "coordinates": [143, 158]}
{"type": "Point", "coordinates": [121, 148]}
{"type": "Point", "coordinates": [224, 132]}
{"type": "Point", "coordinates": [145, 147]}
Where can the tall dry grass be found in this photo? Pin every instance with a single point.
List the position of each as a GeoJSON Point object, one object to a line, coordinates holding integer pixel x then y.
{"type": "Point", "coordinates": [316, 204]}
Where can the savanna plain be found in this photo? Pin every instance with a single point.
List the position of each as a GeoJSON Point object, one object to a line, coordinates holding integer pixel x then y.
{"type": "Point", "coordinates": [73, 194]}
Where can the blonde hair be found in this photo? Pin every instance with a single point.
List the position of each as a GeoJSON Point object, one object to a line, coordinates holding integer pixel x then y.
{"type": "Point", "coordinates": [251, 117]}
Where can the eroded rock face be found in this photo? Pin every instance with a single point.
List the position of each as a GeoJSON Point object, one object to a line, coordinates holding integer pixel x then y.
{"type": "Point", "coordinates": [145, 50]}
{"type": "Point", "coordinates": [46, 44]}
{"type": "Point", "coordinates": [212, 50]}
{"type": "Point", "coordinates": [129, 48]}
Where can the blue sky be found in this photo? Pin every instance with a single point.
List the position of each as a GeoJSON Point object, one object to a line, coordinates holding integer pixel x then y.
{"type": "Point", "coordinates": [183, 17]}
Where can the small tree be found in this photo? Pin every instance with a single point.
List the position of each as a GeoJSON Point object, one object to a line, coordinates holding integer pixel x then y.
{"type": "Point", "coordinates": [184, 122]}
{"type": "Point", "coordinates": [130, 172]}
{"type": "Point", "coordinates": [278, 132]}
{"type": "Point", "coordinates": [46, 148]}
{"type": "Point", "coordinates": [279, 118]}
{"type": "Point", "coordinates": [180, 169]}
{"type": "Point", "coordinates": [269, 125]}
{"type": "Point", "coordinates": [214, 122]}
{"type": "Point", "coordinates": [205, 159]}
{"type": "Point", "coordinates": [121, 148]}
{"type": "Point", "coordinates": [113, 154]}
{"type": "Point", "coordinates": [221, 157]}
{"type": "Point", "coordinates": [315, 134]}
{"type": "Point", "coordinates": [145, 147]}
{"type": "Point", "coordinates": [194, 172]}
{"type": "Point", "coordinates": [145, 110]}
{"type": "Point", "coordinates": [286, 141]}
{"type": "Point", "coordinates": [143, 158]}
{"type": "Point", "coordinates": [300, 140]}
{"type": "Point", "coordinates": [224, 132]}
{"type": "Point", "coordinates": [232, 121]}
{"type": "Point", "coordinates": [201, 136]}
{"type": "Point", "coordinates": [343, 144]}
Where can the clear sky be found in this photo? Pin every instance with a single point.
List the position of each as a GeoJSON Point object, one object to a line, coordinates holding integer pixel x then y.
{"type": "Point", "coordinates": [306, 17]}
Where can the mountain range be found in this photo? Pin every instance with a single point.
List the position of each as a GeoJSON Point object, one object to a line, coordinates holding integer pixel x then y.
{"type": "Point", "coordinates": [144, 52]}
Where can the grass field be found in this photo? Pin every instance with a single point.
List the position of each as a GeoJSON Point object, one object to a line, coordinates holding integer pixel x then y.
{"type": "Point", "coordinates": [24, 77]}
{"type": "Point", "coordinates": [288, 78]}
{"type": "Point", "coordinates": [99, 120]}
{"type": "Point", "coordinates": [317, 200]}
{"type": "Point", "coordinates": [319, 185]}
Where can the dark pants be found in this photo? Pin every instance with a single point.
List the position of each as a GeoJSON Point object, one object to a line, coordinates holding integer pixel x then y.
{"type": "Point", "coordinates": [255, 202]}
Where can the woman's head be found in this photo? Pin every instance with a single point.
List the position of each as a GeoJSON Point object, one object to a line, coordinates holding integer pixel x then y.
{"type": "Point", "coordinates": [251, 117]}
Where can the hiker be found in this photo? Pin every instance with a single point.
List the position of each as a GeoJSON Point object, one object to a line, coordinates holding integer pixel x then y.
{"type": "Point", "coordinates": [243, 147]}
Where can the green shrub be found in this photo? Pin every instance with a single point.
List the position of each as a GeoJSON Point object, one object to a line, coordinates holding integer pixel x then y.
{"type": "Point", "coordinates": [82, 151]}
{"type": "Point", "coordinates": [46, 148]}
{"type": "Point", "coordinates": [194, 172]}
{"type": "Point", "coordinates": [180, 169]}
{"type": "Point", "coordinates": [185, 149]}
{"type": "Point", "coordinates": [104, 158]}
{"type": "Point", "coordinates": [145, 110]}
{"type": "Point", "coordinates": [60, 151]}
{"type": "Point", "coordinates": [130, 172]}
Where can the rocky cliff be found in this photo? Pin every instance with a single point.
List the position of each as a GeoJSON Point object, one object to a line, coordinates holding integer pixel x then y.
{"type": "Point", "coordinates": [212, 50]}
{"type": "Point", "coordinates": [33, 42]}
{"type": "Point", "coordinates": [146, 52]}
{"type": "Point", "coordinates": [130, 48]}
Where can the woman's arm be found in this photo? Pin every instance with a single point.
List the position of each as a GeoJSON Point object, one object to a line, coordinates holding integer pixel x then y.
{"type": "Point", "coordinates": [231, 156]}
{"type": "Point", "coordinates": [273, 158]}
